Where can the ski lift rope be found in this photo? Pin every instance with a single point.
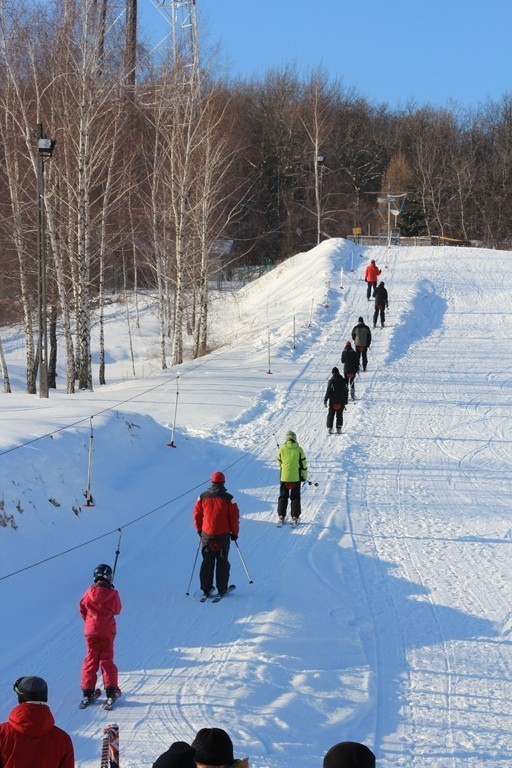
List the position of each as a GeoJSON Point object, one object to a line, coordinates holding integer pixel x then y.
{"type": "Point", "coordinates": [120, 528]}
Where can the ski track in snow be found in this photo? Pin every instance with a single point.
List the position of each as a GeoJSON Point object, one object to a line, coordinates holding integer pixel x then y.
{"type": "Point", "coordinates": [385, 616]}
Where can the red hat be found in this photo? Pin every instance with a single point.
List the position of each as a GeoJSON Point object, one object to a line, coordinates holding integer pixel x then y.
{"type": "Point", "coordinates": [348, 344]}
{"type": "Point", "coordinates": [218, 477]}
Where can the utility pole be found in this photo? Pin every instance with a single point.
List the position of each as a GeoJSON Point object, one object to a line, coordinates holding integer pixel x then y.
{"type": "Point", "coordinates": [319, 177]}
{"type": "Point", "coordinates": [44, 150]}
{"type": "Point", "coordinates": [130, 60]}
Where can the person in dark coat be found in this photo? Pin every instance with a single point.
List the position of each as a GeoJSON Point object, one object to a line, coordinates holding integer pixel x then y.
{"type": "Point", "coordinates": [381, 303]}
{"type": "Point", "coordinates": [217, 520]}
{"type": "Point", "coordinates": [214, 749]}
{"type": "Point", "coordinates": [336, 397]}
{"type": "Point", "coordinates": [350, 360]}
{"type": "Point", "coordinates": [179, 755]}
{"type": "Point", "coordinates": [349, 754]}
{"type": "Point", "coordinates": [362, 337]}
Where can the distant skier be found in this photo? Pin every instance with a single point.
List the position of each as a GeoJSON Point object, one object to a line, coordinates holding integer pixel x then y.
{"type": "Point", "coordinates": [350, 360]}
{"type": "Point", "coordinates": [217, 521]}
{"type": "Point", "coordinates": [362, 337]}
{"type": "Point", "coordinates": [98, 608]}
{"type": "Point", "coordinates": [381, 303]}
{"type": "Point", "coordinates": [336, 397]}
{"type": "Point", "coordinates": [293, 471]}
{"type": "Point", "coordinates": [30, 736]}
{"type": "Point", "coordinates": [371, 274]}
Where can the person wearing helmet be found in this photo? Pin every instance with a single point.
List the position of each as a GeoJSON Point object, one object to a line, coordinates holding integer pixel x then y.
{"type": "Point", "coordinates": [293, 468]}
{"type": "Point", "coordinates": [381, 303]}
{"type": "Point", "coordinates": [350, 360]}
{"type": "Point", "coordinates": [371, 274]}
{"type": "Point", "coordinates": [98, 608]}
{"type": "Point", "coordinates": [30, 736]}
{"type": "Point", "coordinates": [217, 521]}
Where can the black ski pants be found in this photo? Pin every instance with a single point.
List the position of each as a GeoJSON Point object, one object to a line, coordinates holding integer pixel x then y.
{"type": "Point", "coordinates": [215, 551]}
{"type": "Point", "coordinates": [286, 493]}
{"type": "Point", "coordinates": [370, 290]}
{"type": "Point", "coordinates": [379, 310]}
{"type": "Point", "coordinates": [339, 417]}
{"type": "Point", "coordinates": [363, 357]}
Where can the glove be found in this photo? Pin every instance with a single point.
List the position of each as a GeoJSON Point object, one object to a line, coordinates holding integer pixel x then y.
{"type": "Point", "coordinates": [199, 532]}
{"type": "Point", "coordinates": [325, 405]}
{"type": "Point", "coordinates": [233, 537]}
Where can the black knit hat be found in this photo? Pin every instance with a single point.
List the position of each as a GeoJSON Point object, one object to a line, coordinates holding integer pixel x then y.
{"type": "Point", "coordinates": [360, 320]}
{"type": "Point", "coordinates": [349, 754]}
{"type": "Point", "coordinates": [31, 689]}
{"type": "Point", "coordinates": [179, 755]}
{"type": "Point", "coordinates": [335, 370]}
{"type": "Point", "coordinates": [213, 747]}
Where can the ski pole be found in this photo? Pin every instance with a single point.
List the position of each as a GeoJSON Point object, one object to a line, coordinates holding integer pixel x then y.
{"type": "Point", "coordinates": [243, 562]}
{"type": "Point", "coordinates": [194, 566]}
{"type": "Point", "coordinates": [118, 550]}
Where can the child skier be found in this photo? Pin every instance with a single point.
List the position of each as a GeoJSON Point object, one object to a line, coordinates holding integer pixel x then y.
{"type": "Point", "coordinates": [98, 606]}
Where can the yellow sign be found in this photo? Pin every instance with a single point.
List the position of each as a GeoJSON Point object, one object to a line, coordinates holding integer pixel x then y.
{"type": "Point", "coordinates": [356, 231]}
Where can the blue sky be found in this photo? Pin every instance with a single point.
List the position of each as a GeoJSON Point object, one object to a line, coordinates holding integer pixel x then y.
{"type": "Point", "coordinates": [429, 52]}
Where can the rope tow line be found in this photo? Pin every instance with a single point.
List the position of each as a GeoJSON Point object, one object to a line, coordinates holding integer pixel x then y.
{"type": "Point", "coordinates": [118, 529]}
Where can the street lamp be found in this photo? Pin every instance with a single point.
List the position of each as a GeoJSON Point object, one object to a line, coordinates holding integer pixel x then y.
{"type": "Point", "coordinates": [319, 170]}
{"type": "Point", "coordinates": [44, 150]}
{"type": "Point", "coordinates": [392, 200]}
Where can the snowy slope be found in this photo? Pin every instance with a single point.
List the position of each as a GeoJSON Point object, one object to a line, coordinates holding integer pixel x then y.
{"type": "Point", "coordinates": [384, 618]}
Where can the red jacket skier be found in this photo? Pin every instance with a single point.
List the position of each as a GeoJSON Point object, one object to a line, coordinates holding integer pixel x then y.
{"type": "Point", "coordinates": [371, 274]}
{"type": "Point", "coordinates": [216, 519]}
{"type": "Point", "coordinates": [98, 607]}
{"type": "Point", "coordinates": [30, 737]}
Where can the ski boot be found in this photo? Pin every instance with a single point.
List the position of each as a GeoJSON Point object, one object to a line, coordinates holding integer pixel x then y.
{"type": "Point", "coordinates": [88, 696]}
{"type": "Point", "coordinates": [112, 694]}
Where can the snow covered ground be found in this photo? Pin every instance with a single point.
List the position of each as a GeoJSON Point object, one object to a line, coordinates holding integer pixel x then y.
{"type": "Point", "coordinates": [384, 618]}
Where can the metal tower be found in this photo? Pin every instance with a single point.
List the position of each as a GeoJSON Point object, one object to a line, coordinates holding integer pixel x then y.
{"type": "Point", "coordinates": [181, 16]}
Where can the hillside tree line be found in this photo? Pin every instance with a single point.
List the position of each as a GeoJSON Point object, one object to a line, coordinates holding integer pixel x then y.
{"type": "Point", "coordinates": [157, 183]}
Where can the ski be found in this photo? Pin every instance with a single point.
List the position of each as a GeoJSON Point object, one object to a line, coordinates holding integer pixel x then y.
{"type": "Point", "coordinates": [111, 700]}
{"type": "Point", "coordinates": [280, 523]}
{"type": "Point", "coordinates": [204, 598]}
{"type": "Point", "coordinates": [89, 699]}
{"type": "Point", "coordinates": [218, 598]}
{"type": "Point", "coordinates": [110, 747]}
